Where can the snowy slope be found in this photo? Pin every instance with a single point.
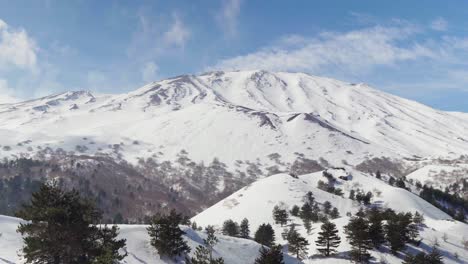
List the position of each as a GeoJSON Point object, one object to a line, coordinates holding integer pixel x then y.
{"type": "Point", "coordinates": [233, 250]}
{"type": "Point", "coordinates": [263, 112]}
{"type": "Point", "coordinates": [256, 202]}
{"type": "Point", "coordinates": [440, 176]}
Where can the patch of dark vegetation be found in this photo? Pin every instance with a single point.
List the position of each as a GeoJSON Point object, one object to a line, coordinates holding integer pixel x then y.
{"type": "Point", "coordinates": [384, 165]}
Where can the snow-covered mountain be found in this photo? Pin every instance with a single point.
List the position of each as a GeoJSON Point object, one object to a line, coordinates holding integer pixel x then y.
{"type": "Point", "coordinates": [256, 202]}
{"type": "Point", "coordinates": [233, 116]}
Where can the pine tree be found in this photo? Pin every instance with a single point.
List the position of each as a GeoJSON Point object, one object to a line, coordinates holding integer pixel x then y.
{"type": "Point", "coordinates": [280, 215]}
{"type": "Point", "coordinates": [327, 207]}
{"type": "Point", "coordinates": [297, 244]}
{"type": "Point", "coordinates": [270, 256]}
{"type": "Point", "coordinates": [357, 233]}
{"type": "Point", "coordinates": [244, 228]}
{"type": "Point", "coordinates": [394, 234]}
{"type": "Point", "coordinates": [309, 198]}
{"type": "Point", "coordinates": [306, 212]}
{"type": "Point", "coordinates": [328, 239]}
{"type": "Point", "coordinates": [352, 194]}
{"type": "Point", "coordinates": [376, 231]}
{"type": "Point", "coordinates": [378, 175]}
{"type": "Point", "coordinates": [166, 236]}
{"type": "Point", "coordinates": [307, 225]}
{"type": "Point", "coordinates": [109, 246]}
{"type": "Point", "coordinates": [422, 258]}
{"type": "Point", "coordinates": [334, 213]}
{"type": "Point", "coordinates": [61, 228]}
{"type": "Point", "coordinates": [265, 235]}
{"type": "Point", "coordinates": [391, 181]}
{"type": "Point", "coordinates": [204, 253]}
{"type": "Point", "coordinates": [230, 228]}
{"type": "Point", "coordinates": [295, 210]}
{"type": "Point", "coordinates": [418, 218]}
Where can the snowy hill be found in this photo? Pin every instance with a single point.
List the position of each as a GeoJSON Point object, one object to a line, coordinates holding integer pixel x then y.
{"type": "Point", "coordinates": [263, 112]}
{"type": "Point", "coordinates": [233, 250]}
{"type": "Point", "coordinates": [256, 201]}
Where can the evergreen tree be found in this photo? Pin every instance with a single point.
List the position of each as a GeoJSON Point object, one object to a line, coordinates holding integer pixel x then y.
{"type": "Point", "coordinates": [399, 230]}
{"type": "Point", "coordinates": [334, 213]}
{"type": "Point", "coordinates": [280, 215]}
{"type": "Point", "coordinates": [394, 234]}
{"type": "Point", "coordinates": [61, 228]}
{"type": "Point", "coordinates": [357, 233]}
{"type": "Point", "coordinates": [418, 218]}
{"type": "Point", "coordinates": [270, 256]}
{"type": "Point", "coordinates": [307, 225]}
{"type": "Point", "coordinates": [295, 210]}
{"type": "Point", "coordinates": [109, 246]}
{"type": "Point", "coordinates": [309, 198]}
{"type": "Point", "coordinates": [391, 181]}
{"type": "Point", "coordinates": [307, 213]}
{"type": "Point", "coordinates": [422, 258]}
{"type": "Point", "coordinates": [327, 207]}
{"type": "Point", "coordinates": [378, 175]}
{"type": "Point", "coordinates": [230, 228]}
{"type": "Point", "coordinates": [244, 228]}
{"type": "Point", "coordinates": [265, 235]}
{"type": "Point", "coordinates": [376, 231]}
{"type": "Point", "coordinates": [352, 194]}
{"type": "Point", "coordinates": [400, 183]}
{"type": "Point", "coordinates": [166, 236]}
{"type": "Point", "coordinates": [328, 239]}
{"type": "Point", "coordinates": [204, 253]}
{"type": "Point", "coordinates": [297, 244]}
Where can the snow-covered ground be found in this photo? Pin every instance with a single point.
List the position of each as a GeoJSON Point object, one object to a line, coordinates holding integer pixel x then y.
{"type": "Point", "coordinates": [223, 114]}
{"type": "Point", "coordinates": [440, 176]}
{"type": "Point", "coordinates": [138, 248]}
{"type": "Point", "coordinates": [256, 201]}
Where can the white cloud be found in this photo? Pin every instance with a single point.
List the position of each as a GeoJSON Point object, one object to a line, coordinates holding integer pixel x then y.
{"type": "Point", "coordinates": [439, 24]}
{"type": "Point", "coordinates": [353, 52]}
{"type": "Point", "coordinates": [16, 48]}
{"type": "Point", "coordinates": [6, 93]}
{"type": "Point", "coordinates": [150, 71]}
{"type": "Point", "coordinates": [228, 16]}
{"type": "Point", "coordinates": [178, 33]}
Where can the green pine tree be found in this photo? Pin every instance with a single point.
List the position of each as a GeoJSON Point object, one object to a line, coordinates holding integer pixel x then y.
{"type": "Point", "coordinates": [376, 230]}
{"type": "Point", "coordinates": [166, 235]}
{"type": "Point", "coordinates": [357, 233]}
{"type": "Point", "coordinates": [204, 253]}
{"type": "Point", "coordinates": [297, 244]}
{"type": "Point", "coordinates": [271, 255]}
{"type": "Point", "coordinates": [328, 239]}
{"type": "Point", "coordinates": [61, 228]}
{"type": "Point", "coordinates": [230, 228]}
{"type": "Point", "coordinates": [244, 228]}
{"type": "Point", "coordinates": [109, 246]}
{"type": "Point", "coordinates": [265, 235]}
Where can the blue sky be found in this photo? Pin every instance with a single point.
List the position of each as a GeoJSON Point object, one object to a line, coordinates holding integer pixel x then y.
{"type": "Point", "coordinates": [414, 49]}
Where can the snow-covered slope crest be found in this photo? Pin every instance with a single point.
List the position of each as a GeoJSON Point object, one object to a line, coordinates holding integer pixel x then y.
{"type": "Point", "coordinates": [233, 250]}
{"type": "Point", "coordinates": [256, 202]}
{"type": "Point", "coordinates": [265, 112]}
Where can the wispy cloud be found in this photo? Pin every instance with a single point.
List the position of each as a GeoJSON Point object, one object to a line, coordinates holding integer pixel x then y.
{"type": "Point", "coordinates": [149, 72]}
{"type": "Point", "coordinates": [16, 48]}
{"type": "Point", "coordinates": [354, 51]}
{"type": "Point", "coordinates": [228, 17]}
{"type": "Point", "coordinates": [177, 34]}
